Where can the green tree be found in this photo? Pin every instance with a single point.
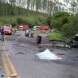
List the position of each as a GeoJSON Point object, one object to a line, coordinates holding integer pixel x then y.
{"type": "Point", "coordinates": [73, 5]}
{"type": "Point", "coordinates": [44, 4]}
{"type": "Point", "coordinates": [32, 4]}
{"type": "Point", "coordinates": [59, 19]}
{"type": "Point", "coordinates": [28, 4]}
{"type": "Point", "coordinates": [65, 23]}
{"type": "Point", "coordinates": [38, 5]}
{"type": "Point", "coordinates": [12, 2]}
{"type": "Point", "coordinates": [50, 8]}
{"type": "Point", "coordinates": [71, 28]}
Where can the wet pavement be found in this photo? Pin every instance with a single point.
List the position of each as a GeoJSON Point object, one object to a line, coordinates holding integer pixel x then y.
{"type": "Point", "coordinates": [28, 66]}
{"type": "Point", "coordinates": [2, 75]}
{"type": "Point", "coordinates": [2, 72]}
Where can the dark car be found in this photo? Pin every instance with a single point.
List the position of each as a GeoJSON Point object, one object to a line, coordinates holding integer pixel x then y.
{"type": "Point", "coordinates": [74, 42]}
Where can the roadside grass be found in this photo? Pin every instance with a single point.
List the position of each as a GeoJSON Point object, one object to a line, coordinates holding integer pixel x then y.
{"type": "Point", "coordinates": [56, 35]}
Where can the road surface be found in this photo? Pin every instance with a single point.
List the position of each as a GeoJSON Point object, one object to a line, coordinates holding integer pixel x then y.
{"type": "Point", "coordinates": [27, 65]}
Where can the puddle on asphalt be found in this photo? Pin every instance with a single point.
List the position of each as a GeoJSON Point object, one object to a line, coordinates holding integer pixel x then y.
{"type": "Point", "coordinates": [22, 45]}
{"type": "Point", "coordinates": [75, 58]}
{"type": "Point", "coordinates": [21, 53]}
{"type": "Point", "coordinates": [14, 44]}
{"type": "Point", "coordinates": [62, 54]}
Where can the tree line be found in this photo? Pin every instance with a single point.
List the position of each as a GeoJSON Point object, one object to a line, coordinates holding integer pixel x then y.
{"type": "Point", "coordinates": [7, 10]}
{"type": "Point", "coordinates": [18, 6]}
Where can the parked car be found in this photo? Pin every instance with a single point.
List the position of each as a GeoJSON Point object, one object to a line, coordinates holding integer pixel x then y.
{"type": "Point", "coordinates": [7, 30]}
{"type": "Point", "coordinates": [74, 42]}
{"type": "Point", "coordinates": [23, 27]}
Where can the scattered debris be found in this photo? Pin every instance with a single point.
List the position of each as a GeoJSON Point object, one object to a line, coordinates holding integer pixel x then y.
{"type": "Point", "coordinates": [48, 55]}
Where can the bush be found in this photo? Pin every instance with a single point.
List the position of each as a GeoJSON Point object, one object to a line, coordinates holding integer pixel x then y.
{"type": "Point", "coordinates": [71, 28]}
{"type": "Point", "coordinates": [20, 21]}
{"type": "Point", "coordinates": [55, 36]}
{"type": "Point", "coordinates": [65, 23]}
{"type": "Point", "coordinates": [59, 19]}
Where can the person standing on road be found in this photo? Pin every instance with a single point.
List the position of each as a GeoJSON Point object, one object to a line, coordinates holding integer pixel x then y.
{"type": "Point", "coordinates": [39, 39]}
{"type": "Point", "coordinates": [27, 33]}
{"type": "Point", "coordinates": [2, 33]}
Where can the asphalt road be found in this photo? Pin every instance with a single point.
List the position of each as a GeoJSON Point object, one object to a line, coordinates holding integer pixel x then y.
{"type": "Point", "coordinates": [2, 73]}
{"type": "Point", "coordinates": [28, 66]}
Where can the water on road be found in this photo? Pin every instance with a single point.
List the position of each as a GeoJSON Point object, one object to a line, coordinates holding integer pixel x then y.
{"type": "Point", "coordinates": [28, 66]}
